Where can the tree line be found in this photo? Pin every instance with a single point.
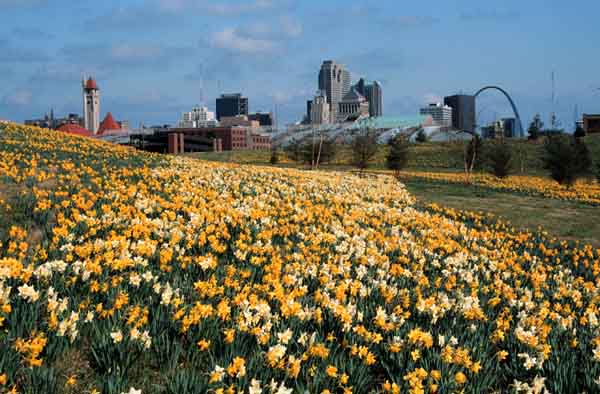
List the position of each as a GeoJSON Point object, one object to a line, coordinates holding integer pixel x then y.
{"type": "Point", "coordinates": [566, 157]}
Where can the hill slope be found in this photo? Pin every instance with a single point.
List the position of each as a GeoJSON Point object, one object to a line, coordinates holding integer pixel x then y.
{"type": "Point", "coordinates": [120, 269]}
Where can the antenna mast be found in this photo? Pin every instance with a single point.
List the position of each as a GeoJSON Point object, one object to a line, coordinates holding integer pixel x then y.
{"type": "Point", "coordinates": [553, 114]}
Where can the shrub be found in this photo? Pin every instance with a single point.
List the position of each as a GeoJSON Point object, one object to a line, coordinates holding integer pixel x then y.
{"type": "Point", "coordinates": [421, 136]}
{"type": "Point", "coordinates": [566, 158]}
{"type": "Point", "coordinates": [397, 157]}
{"type": "Point", "coordinates": [535, 127]}
{"type": "Point", "coordinates": [579, 132]}
{"type": "Point", "coordinates": [364, 149]}
{"type": "Point", "coordinates": [274, 157]}
{"type": "Point", "coordinates": [499, 159]}
{"type": "Point", "coordinates": [294, 150]}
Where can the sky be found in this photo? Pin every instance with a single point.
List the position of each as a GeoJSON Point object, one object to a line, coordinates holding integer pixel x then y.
{"type": "Point", "coordinates": [154, 59]}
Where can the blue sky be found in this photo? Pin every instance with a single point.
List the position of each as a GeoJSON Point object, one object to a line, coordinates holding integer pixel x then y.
{"type": "Point", "coordinates": [154, 59]}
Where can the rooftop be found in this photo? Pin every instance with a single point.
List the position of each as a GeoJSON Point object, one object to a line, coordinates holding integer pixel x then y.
{"type": "Point", "coordinates": [107, 124]}
{"type": "Point", "coordinates": [91, 84]}
{"type": "Point", "coordinates": [74, 129]}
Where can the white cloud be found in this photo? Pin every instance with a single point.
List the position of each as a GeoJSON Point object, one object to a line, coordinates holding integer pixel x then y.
{"type": "Point", "coordinates": [231, 39]}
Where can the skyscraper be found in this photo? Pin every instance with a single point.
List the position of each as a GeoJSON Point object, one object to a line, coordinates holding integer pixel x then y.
{"type": "Point", "coordinates": [91, 105]}
{"type": "Point", "coordinates": [374, 95]}
{"type": "Point", "coordinates": [334, 80]}
{"type": "Point", "coordinates": [231, 105]}
{"type": "Point", "coordinates": [463, 111]}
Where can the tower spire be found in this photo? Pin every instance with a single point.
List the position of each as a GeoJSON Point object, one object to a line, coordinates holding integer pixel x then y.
{"type": "Point", "coordinates": [91, 105]}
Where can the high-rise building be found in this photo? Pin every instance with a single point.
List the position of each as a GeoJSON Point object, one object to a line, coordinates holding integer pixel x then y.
{"type": "Point", "coordinates": [229, 105]}
{"type": "Point", "coordinates": [91, 105]}
{"type": "Point", "coordinates": [197, 117]}
{"type": "Point", "coordinates": [441, 114]}
{"type": "Point", "coordinates": [463, 111]}
{"type": "Point", "coordinates": [373, 94]}
{"type": "Point", "coordinates": [319, 109]}
{"type": "Point", "coordinates": [334, 80]}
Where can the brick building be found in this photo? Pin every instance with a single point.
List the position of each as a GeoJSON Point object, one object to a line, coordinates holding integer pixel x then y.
{"type": "Point", "coordinates": [229, 138]}
{"type": "Point", "coordinates": [591, 123]}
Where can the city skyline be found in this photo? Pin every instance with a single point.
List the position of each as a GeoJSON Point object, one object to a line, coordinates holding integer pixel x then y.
{"type": "Point", "coordinates": [152, 69]}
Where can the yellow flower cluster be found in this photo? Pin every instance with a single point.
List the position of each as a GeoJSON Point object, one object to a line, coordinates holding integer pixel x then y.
{"type": "Point", "coordinates": [587, 192]}
{"type": "Point", "coordinates": [238, 279]}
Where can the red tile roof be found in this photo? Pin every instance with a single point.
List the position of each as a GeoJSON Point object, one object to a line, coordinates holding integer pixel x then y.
{"type": "Point", "coordinates": [75, 129]}
{"type": "Point", "coordinates": [91, 84]}
{"type": "Point", "coordinates": [107, 124]}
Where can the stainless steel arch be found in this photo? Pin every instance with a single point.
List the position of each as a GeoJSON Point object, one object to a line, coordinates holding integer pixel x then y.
{"type": "Point", "coordinates": [512, 104]}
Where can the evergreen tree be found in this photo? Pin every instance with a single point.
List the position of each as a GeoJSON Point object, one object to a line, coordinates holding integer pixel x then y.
{"type": "Point", "coordinates": [535, 127]}
{"type": "Point", "coordinates": [499, 159]}
{"type": "Point", "coordinates": [579, 132]}
{"type": "Point", "coordinates": [566, 158]}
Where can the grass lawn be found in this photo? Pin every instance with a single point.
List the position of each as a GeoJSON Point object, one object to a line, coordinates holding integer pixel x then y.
{"type": "Point", "coordinates": [563, 219]}
{"type": "Point", "coordinates": [428, 156]}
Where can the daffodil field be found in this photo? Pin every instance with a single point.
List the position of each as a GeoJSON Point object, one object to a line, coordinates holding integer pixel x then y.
{"type": "Point", "coordinates": [172, 275]}
{"type": "Point", "coordinates": [585, 191]}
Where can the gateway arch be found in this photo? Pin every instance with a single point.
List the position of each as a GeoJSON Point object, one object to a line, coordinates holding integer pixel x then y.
{"type": "Point", "coordinates": [519, 124]}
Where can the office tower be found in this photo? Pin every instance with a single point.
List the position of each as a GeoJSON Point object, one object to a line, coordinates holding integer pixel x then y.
{"type": "Point", "coordinates": [374, 95]}
{"type": "Point", "coordinates": [463, 111]}
{"type": "Point", "coordinates": [229, 105]}
{"type": "Point", "coordinates": [334, 80]}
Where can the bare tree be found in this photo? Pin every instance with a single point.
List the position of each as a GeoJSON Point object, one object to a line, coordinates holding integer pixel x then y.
{"type": "Point", "coordinates": [397, 157]}
{"type": "Point", "coordinates": [364, 149]}
{"type": "Point", "coordinates": [472, 154]}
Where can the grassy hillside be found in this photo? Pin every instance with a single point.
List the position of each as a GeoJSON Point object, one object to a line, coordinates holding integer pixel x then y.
{"type": "Point", "coordinates": [443, 156]}
{"type": "Point", "coordinates": [533, 200]}
{"type": "Point", "coordinates": [123, 271]}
